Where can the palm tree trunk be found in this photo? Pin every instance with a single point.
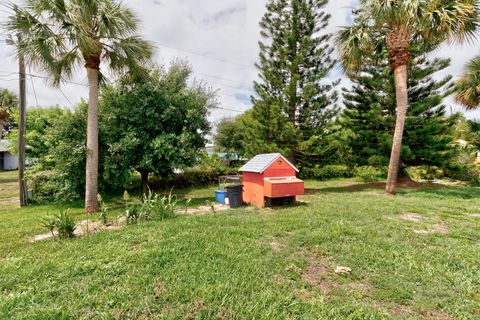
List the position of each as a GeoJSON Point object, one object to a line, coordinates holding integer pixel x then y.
{"type": "Point", "coordinates": [1, 129]}
{"type": "Point", "coordinates": [401, 89]}
{"type": "Point", "coordinates": [144, 176]}
{"type": "Point", "coordinates": [91, 172]}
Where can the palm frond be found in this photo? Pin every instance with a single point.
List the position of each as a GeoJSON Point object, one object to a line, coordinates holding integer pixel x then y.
{"type": "Point", "coordinates": [468, 87]}
{"type": "Point", "coordinates": [59, 35]}
{"type": "Point", "coordinates": [132, 54]}
{"type": "Point", "coordinates": [354, 43]}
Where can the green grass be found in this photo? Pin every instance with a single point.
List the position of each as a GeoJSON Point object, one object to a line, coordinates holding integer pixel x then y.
{"type": "Point", "coordinates": [8, 185]}
{"type": "Point", "coordinates": [256, 263]}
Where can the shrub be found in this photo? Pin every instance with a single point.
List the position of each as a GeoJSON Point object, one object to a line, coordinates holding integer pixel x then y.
{"type": "Point", "coordinates": [466, 173]}
{"type": "Point", "coordinates": [205, 173]}
{"type": "Point", "coordinates": [48, 186]}
{"type": "Point", "coordinates": [370, 173]}
{"type": "Point", "coordinates": [331, 171]}
{"type": "Point", "coordinates": [426, 173]}
{"type": "Point", "coordinates": [63, 224]}
{"type": "Point", "coordinates": [153, 206]}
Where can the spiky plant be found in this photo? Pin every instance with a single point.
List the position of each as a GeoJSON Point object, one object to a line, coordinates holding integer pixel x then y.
{"type": "Point", "coordinates": [468, 87]}
{"type": "Point", "coordinates": [60, 35]}
{"type": "Point", "coordinates": [395, 25]}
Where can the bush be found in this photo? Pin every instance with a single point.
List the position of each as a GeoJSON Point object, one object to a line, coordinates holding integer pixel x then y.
{"type": "Point", "coordinates": [426, 173]}
{"type": "Point", "coordinates": [466, 173]}
{"type": "Point", "coordinates": [62, 224]}
{"type": "Point", "coordinates": [331, 171]}
{"type": "Point", "coordinates": [48, 186]}
{"type": "Point", "coordinates": [205, 173]}
{"type": "Point", "coordinates": [152, 207]}
{"type": "Point", "coordinates": [370, 173]}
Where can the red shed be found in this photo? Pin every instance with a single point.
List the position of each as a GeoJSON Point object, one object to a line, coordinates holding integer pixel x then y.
{"type": "Point", "coordinates": [270, 177]}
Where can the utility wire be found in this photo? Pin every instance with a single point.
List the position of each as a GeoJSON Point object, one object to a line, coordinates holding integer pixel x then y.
{"type": "Point", "coordinates": [33, 86]}
{"type": "Point", "coordinates": [204, 55]}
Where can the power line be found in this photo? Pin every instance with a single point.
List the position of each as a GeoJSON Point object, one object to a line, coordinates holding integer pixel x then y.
{"type": "Point", "coordinates": [204, 55]}
{"type": "Point", "coordinates": [85, 85]}
{"type": "Point", "coordinates": [33, 87]}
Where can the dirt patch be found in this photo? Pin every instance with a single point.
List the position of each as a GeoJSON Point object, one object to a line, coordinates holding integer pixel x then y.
{"type": "Point", "coordinates": [195, 307]}
{"type": "Point", "coordinates": [304, 294]}
{"type": "Point", "coordinates": [473, 215]}
{"type": "Point", "coordinates": [276, 247]}
{"type": "Point", "coordinates": [83, 228]}
{"type": "Point", "coordinates": [411, 217]}
{"type": "Point", "coordinates": [205, 209]}
{"type": "Point", "coordinates": [436, 228]}
{"type": "Point", "coordinates": [315, 273]}
{"type": "Point", "coordinates": [399, 310]}
{"type": "Point", "coordinates": [435, 315]}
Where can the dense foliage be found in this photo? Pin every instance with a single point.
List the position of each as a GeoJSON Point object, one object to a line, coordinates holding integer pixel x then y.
{"type": "Point", "coordinates": [8, 103]}
{"type": "Point", "coordinates": [293, 101]}
{"type": "Point", "coordinates": [155, 124]}
{"type": "Point", "coordinates": [370, 107]}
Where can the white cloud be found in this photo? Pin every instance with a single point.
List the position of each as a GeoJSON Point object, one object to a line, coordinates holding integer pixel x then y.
{"type": "Point", "coordinates": [219, 38]}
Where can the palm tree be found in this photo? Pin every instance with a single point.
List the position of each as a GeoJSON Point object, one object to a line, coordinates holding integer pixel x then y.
{"type": "Point", "coordinates": [396, 25]}
{"type": "Point", "coordinates": [468, 87]}
{"type": "Point", "coordinates": [8, 101]}
{"type": "Point", "coordinates": [60, 35]}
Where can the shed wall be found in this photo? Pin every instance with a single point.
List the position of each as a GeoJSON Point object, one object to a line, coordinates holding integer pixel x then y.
{"type": "Point", "coordinates": [279, 168]}
{"type": "Point", "coordinates": [10, 161]}
{"type": "Point", "coordinates": [253, 189]}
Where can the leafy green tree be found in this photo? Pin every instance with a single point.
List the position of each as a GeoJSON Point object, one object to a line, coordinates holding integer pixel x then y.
{"type": "Point", "coordinates": [60, 35]}
{"type": "Point", "coordinates": [40, 122]}
{"type": "Point", "coordinates": [394, 25]}
{"type": "Point", "coordinates": [468, 87]}
{"type": "Point", "coordinates": [369, 114]}
{"type": "Point", "coordinates": [157, 123]}
{"type": "Point", "coordinates": [229, 136]}
{"type": "Point", "coordinates": [8, 102]}
{"type": "Point", "coordinates": [293, 99]}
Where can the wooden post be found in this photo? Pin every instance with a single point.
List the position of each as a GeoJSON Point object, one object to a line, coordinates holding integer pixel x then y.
{"type": "Point", "coordinates": [22, 121]}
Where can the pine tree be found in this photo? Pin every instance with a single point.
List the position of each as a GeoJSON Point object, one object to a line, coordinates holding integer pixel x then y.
{"type": "Point", "coordinates": [293, 99]}
{"type": "Point", "coordinates": [370, 114]}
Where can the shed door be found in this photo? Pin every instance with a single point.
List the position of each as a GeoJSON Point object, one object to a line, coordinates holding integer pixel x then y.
{"type": "Point", "coordinates": [2, 161]}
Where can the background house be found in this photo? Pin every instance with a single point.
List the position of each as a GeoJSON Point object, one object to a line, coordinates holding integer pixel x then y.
{"type": "Point", "coordinates": [8, 161]}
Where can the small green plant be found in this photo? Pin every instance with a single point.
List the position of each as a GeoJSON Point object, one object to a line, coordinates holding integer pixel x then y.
{"type": "Point", "coordinates": [152, 207]}
{"type": "Point", "coordinates": [131, 210]}
{"type": "Point", "coordinates": [61, 224]}
{"type": "Point", "coordinates": [211, 204]}
{"type": "Point", "coordinates": [103, 214]}
{"type": "Point", "coordinates": [369, 173]}
{"type": "Point", "coordinates": [187, 204]}
{"type": "Point", "coordinates": [50, 224]}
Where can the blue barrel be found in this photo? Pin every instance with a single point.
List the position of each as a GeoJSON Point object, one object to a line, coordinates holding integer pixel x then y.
{"type": "Point", "coordinates": [220, 196]}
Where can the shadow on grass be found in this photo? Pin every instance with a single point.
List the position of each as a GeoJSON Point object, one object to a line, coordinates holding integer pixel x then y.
{"type": "Point", "coordinates": [463, 192]}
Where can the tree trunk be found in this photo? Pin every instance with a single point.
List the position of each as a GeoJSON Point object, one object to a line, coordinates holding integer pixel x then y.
{"type": "Point", "coordinates": [1, 129]}
{"type": "Point", "coordinates": [22, 125]}
{"type": "Point", "coordinates": [91, 172]}
{"type": "Point", "coordinates": [401, 89]}
{"type": "Point", "coordinates": [144, 175]}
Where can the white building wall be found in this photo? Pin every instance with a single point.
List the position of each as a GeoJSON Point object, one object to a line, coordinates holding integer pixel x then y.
{"type": "Point", "coordinates": [10, 161]}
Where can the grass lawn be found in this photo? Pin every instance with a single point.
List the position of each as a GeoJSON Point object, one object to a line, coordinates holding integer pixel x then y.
{"type": "Point", "coordinates": [414, 256]}
{"type": "Point", "coordinates": [8, 189]}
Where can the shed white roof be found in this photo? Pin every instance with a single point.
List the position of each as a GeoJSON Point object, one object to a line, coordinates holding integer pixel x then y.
{"type": "Point", "coordinates": [4, 145]}
{"type": "Point", "coordinates": [261, 162]}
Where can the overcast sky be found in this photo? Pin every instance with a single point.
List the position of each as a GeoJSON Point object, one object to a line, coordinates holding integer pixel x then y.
{"type": "Point", "coordinates": [220, 40]}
